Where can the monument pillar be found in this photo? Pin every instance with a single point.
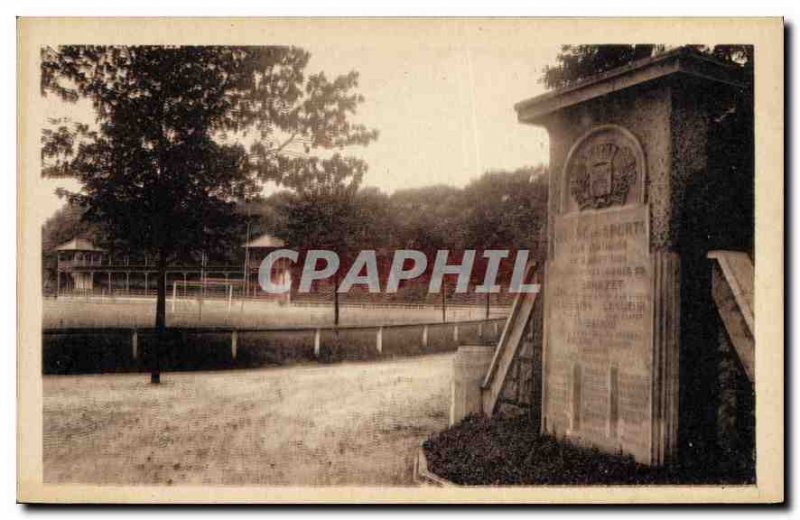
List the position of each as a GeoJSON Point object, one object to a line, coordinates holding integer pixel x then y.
{"type": "Point", "coordinates": [624, 146]}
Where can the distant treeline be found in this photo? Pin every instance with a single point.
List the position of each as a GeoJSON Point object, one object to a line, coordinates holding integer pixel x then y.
{"type": "Point", "coordinates": [499, 210]}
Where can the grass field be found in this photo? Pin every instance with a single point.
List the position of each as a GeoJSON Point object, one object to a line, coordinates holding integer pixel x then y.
{"type": "Point", "coordinates": [140, 312]}
{"type": "Point", "coordinates": [352, 423]}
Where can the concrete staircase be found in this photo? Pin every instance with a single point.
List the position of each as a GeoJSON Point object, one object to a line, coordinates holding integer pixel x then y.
{"type": "Point", "coordinates": [732, 289]}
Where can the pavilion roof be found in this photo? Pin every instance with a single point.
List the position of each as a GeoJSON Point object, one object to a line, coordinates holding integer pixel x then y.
{"type": "Point", "coordinates": [78, 244]}
{"type": "Point", "coordinates": [265, 240]}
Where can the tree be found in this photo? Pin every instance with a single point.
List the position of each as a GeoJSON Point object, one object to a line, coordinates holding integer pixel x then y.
{"type": "Point", "coordinates": [166, 159]}
{"type": "Point", "coordinates": [578, 62]}
{"type": "Point", "coordinates": [429, 217]}
{"type": "Point", "coordinates": [320, 213]}
{"type": "Point", "coordinates": [374, 224]}
{"type": "Point", "coordinates": [505, 210]}
{"type": "Point", "coordinates": [65, 224]}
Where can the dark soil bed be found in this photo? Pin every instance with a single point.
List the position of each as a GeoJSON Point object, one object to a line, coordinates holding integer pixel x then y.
{"type": "Point", "coordinates": [480, 451]}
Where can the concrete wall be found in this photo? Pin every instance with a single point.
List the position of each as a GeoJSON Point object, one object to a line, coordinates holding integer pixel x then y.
{"type": "Point", "coordinates": [470, 365]}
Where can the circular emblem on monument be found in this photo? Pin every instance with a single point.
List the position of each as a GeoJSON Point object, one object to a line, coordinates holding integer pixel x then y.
{"type": "Point", "coordinates": [602, 168]}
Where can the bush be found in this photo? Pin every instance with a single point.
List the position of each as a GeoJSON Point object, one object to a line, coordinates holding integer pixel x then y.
{"type": "Point", "coordinates": [402, 341]}
{"type": "Point", "coordinates": [482, 451]}
{"type": "Point", "coordinates": [87, 352]}
{"type": "Point", "coordinates": [347, 345]}
{"type": "Point", "coordinates": [274, 347]}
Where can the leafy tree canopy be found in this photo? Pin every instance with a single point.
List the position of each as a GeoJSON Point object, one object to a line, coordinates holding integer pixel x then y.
{"type": "Point", "coordinates": [181, 133]}
{"type": "Point", "coordinates": [505, 210]}
{"type": "Point", "coordinates": [578, 62]}
{"type": "Point", "coordinates": [500, 209]}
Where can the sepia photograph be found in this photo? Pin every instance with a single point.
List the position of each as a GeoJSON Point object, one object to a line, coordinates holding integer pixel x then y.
{"type": "Point", "coordinates": [420, 260]}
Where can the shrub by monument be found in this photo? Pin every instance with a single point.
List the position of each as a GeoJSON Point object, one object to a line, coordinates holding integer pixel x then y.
{"type": "Point", "coordinates": [481, 451]}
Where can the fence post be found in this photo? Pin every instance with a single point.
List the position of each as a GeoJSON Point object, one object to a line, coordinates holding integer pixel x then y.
{"type": "Point", "coordinates": [316, 343]}
{"type": "Point", "coordinates": [480, 330]}
{"type": "Point", "coordinates": [424, 336]}
{"type": "Point", "coordinates": [379, 340]}
{"type": "Point", "coordinates": [135, 344]}
{"type": "Point", "coordinates": [174, 294]}
{"type": "Point", "coordinates": [230, 298]}
{"type": "Point", "coordinates": [234, 343]}
{"type": "Point", "coordinates": [495, 329]}
{"type": "Point", "coordinates": [455, 333]}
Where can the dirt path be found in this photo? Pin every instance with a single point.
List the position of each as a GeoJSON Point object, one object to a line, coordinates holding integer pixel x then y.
{"type": "Point", "coordinates": [350, 423]}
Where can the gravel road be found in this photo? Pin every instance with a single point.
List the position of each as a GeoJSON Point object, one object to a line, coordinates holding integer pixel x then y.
{"type": "Point", "coordinates": [342, 424]}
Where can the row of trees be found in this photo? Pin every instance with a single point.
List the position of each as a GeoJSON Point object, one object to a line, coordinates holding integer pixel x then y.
{"type": "Point", "coordinates": [501, 210]}
{"type": "Point", "coordinates": [577, 62]}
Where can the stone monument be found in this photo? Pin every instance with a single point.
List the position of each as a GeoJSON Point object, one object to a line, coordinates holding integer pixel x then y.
{"type": "Point", "coordinates": [624, 146]}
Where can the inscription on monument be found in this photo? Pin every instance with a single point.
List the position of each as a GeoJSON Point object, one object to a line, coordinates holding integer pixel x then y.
{"type": "Point", "coordinates": [600, 316]}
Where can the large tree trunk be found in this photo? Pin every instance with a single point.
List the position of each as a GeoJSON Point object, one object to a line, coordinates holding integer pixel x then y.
{"type": "Point", "coordinates": [161, 319]}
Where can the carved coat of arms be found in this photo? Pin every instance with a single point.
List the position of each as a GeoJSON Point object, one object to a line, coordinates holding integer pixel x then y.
{"type": "Point", "coordinates": [601, 174]}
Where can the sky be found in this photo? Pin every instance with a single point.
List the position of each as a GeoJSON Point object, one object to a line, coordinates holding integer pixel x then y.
{"type": "Point", "coordinates": [445, 113]}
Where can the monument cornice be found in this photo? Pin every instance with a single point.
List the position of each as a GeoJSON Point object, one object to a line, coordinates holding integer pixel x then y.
{"type": "Point", "coordinates": [678, 62]}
